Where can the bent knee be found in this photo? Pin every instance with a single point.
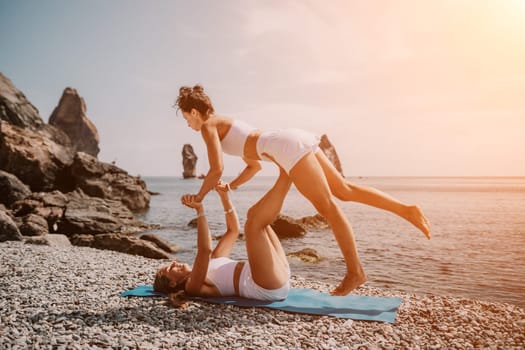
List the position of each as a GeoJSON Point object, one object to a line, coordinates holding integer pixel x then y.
{"type": "Point", "coordinates": [257, 219]}
{"type": "Point", "coordinates": [344, 191]}
{"type": "Point", "coordinates": [325, 206]}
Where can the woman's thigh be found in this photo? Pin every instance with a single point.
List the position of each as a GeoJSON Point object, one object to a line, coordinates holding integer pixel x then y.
{"type": "Point", "coordinates": [268, 265]}
{"type": "Point", "coordinates": [309, 179]}
{"type": "Point", "coordinates": [337, 183]}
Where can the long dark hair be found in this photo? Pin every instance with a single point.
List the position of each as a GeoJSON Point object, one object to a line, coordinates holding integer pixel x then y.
{"type": "Point", "coordinates": [194, 97]}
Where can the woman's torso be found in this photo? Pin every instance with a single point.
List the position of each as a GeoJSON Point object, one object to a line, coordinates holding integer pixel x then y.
{"type": "Point", "coordinates": [221, 274]}
{"type": "Point", "coordinates": [233, 141]}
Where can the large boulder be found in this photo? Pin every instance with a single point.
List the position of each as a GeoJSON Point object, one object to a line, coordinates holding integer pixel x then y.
{"type": "Point", "coordinates": [78, 213]}
{"type": "Point", "coordinates": [35, 159]}
{"type": "Point", "coordinates": [161, 243]}
{"type": "Point", "coordinates": [286, 227]}
{"type": "Point", "coordinates": [189, 162]}
{"type": "Point", "coordinates": [33, 225]}
{"type": "Point", "coordinates": [11, 189]}
{"type": "Point", "coordinates": [15, 108]}
{"type": "Point", "coordinates": [108, 181]}
{"type": "Point", "coordinates": [70, 117]}
{"type": "Point", "coordinates": [48, 205]}
{"type": "Point", "coordinates": [85, 214]}
{"type": "Point", "coordinates": [330, 152]}
{"type": "Point", "coordinates": [121, 243]}
{"type": "Point", "coordinates": [8, 229]}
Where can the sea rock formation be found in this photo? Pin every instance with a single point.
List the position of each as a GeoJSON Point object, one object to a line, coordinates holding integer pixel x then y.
{"type": "Point", "coordinates": [70, 116]}
{"type": "Point", "coordinates": [189, 162]}
{"type": "Point", "coordinates": [330, 152]}
{"type": "Point", "coordinates": [50, 185]}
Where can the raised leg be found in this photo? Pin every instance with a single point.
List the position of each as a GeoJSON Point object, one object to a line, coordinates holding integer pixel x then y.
{"type": "Point", "coordinates": [346, 191]}
{"type": "Point", "coordinates": [265, 254]}
{"type": "Point", "coordinates": [309, 178]}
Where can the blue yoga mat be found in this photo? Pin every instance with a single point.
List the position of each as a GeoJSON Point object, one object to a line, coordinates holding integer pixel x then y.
{"type": "Point", "coordinates": [308, 301]}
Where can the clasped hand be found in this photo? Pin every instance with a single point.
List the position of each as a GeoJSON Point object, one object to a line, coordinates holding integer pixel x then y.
{"type": "Point", "coordinates": [191, 200]}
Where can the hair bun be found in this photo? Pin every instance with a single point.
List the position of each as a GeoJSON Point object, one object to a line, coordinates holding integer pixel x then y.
{"type": "Point", "coordinates": [198, 88]}
{"type": "Point", "coordinates": [184, 90]}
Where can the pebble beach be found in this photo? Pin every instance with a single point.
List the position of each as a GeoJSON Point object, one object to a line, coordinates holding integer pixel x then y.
{"type": "Point", "coordinates": [68, 298]}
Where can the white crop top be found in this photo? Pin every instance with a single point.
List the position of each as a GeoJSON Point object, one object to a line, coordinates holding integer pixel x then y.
{"type": "Point", "coordinates": [233, 142]}
{"type": "Point", "coordinates": [220, 272]}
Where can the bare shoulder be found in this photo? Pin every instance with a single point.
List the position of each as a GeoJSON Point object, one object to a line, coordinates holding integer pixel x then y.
{"type": "Point", "coordinates": [221, 124]}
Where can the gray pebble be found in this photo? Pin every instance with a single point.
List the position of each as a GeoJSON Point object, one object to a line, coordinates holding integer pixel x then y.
{"type": "Point", "coordinates": [68, 298]}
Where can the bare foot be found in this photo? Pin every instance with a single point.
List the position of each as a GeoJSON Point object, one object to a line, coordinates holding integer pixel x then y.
{"type": "Point", "coordinates": [416, 217]}
{"type": "Point", "coordinates": [349, 283]}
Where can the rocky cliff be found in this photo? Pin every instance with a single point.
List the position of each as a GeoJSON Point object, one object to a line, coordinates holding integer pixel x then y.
{"type": "Point", "coordinates": [52, 183]}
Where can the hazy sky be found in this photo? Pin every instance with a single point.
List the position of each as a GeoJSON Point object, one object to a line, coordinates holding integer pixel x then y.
{"type": "Point", "coordinates": [407, 87]}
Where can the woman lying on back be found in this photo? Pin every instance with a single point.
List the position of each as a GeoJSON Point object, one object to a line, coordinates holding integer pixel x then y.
{"type": "Point", "coordinates": [266, 274]}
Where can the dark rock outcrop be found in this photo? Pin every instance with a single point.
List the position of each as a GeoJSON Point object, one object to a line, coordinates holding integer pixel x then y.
{"type": "Point", "coordinates": [48, 205]}
{"type": "Point", "coordinates": [307, 255]}
{"type": "Point", "coordinates": [77, 213]}
{"type": "Point", "coordinates": [121, 243]}
{"type": "Point", "coordinates": [189, 162]}
{"type": "Point", "coordinates": [85, 214]}
{"type": "Point", "coordinates": [8, 229]}
{"type": "Point", "coordinates": [286, 227]}
{"type": "Point", "coordinates": [35, 159]}
{"type": "Point", "coordinates": [108, 181]}
{"type": "Point", "coordinates": [15, 108]}
{"type": "Point", "coordinates": [330, 152]}
{"type": "Point", "coordinates": [70, 117]}
{"type": "Point", "coordinates": [57, 158]}
{"type": "Point", "coordinates": [11, 189]}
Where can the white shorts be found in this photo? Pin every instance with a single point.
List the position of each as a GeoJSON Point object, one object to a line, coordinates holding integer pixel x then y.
{"type": "Point", "coordinates": [251, 290]}
{"type": "Point", "coordinates": [287, 146]}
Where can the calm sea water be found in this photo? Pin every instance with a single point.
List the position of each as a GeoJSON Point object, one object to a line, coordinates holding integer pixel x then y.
{"type": "Point", "coordinates": [476, 250]}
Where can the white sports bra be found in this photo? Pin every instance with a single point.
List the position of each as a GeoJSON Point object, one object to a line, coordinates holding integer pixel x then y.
{"type": "Point", "coordinates": [220, 272]}
{"type": "Point", "coordinates": [233, 142]}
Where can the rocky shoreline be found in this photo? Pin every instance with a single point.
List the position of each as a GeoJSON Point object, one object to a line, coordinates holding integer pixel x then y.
{"type": "Point", "coordinates": [68, 298]}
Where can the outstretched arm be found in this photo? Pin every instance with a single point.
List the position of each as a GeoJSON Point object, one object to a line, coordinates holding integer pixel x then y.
{"type": "Point", "coordinates": [202, 259]}
{"type": "Point", "coordinates": [214, 150]}
{"type": "Point", "coordinates": [225, 245]}
{"type": "Point", "coordinates": [252, 168]}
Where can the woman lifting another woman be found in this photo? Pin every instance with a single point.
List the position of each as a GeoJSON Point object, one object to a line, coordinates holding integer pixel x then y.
{"type": "Point", "coordinates": [297, 152]}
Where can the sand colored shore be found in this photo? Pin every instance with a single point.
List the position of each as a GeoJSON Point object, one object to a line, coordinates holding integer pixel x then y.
{"type": "Point", "coordinates": [68, 298]}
